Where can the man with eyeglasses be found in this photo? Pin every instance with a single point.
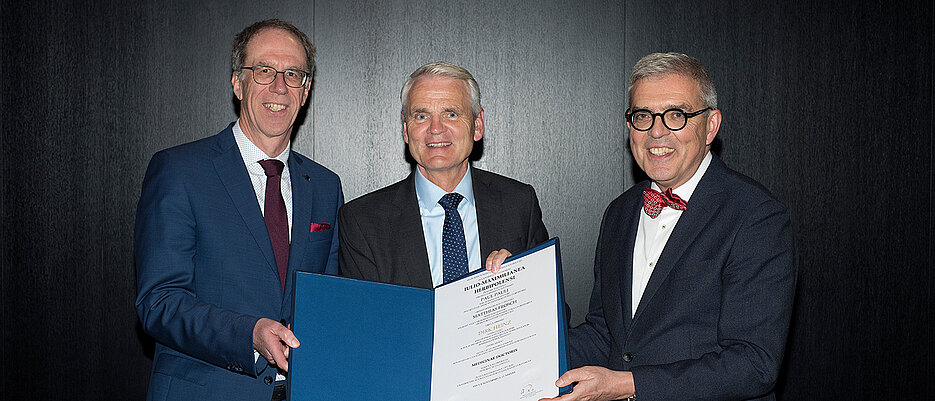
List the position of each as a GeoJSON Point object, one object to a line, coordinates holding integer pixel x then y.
{"type": "Point", "coordinates": [694, 273]}
{"type": "Point", "coordinates": [222, 224]}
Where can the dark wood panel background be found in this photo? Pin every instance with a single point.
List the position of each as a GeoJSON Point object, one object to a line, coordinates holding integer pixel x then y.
{"type": "Point", "coordinates": [828, 104]}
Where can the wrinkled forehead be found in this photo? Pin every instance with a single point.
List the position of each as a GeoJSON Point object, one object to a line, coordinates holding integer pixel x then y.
{"type": "Point", "coordinates": [439, 86]}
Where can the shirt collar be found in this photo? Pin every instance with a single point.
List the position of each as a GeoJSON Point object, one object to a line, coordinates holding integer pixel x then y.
{"type": "Point", "coordinates": [686, 190]}
{"type": "Point", "coordinates": [428, 193]}
{"type": "Point", "coordinates": [251, 153]}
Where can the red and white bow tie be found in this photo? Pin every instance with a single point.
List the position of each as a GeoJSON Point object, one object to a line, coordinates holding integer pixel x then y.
{"type": "Point", "coordinates": [654, 201]}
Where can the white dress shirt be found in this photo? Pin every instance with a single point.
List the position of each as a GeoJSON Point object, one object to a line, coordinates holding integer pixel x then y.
{"type": "Point", "coordinates": [252, 155]}
{"type": "Point", "coordinates": [653, 234]}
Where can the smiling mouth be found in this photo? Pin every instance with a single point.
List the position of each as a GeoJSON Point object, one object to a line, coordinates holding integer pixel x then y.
{"type": "Point", "coordinates": [438, 144]}
{"type": "Point", "coordinates": [274, 106]}
{"type": "Point", "coordinates": [661, 151]}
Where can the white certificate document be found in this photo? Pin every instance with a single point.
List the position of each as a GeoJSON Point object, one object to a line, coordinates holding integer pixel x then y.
{"type": "Point", "coordinates": [497, 336]}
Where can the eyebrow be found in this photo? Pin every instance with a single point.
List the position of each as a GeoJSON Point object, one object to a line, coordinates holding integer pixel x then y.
{"type": "Point", "coordinates": [270, 65]}
{"type": "Point", "coordinates": [426, 111]}
{"type": "Point", "coordinates": [683, 107]}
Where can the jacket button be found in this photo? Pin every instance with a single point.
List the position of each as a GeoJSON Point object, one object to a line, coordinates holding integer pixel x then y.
{"type": "Point", "coordinates": [627, 357]}
{"type": "Point", "coordinates": [268, 379]}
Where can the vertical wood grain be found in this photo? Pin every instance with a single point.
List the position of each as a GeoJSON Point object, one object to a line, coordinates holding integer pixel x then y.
{"type": "Point", "coordinates": [551, 81]}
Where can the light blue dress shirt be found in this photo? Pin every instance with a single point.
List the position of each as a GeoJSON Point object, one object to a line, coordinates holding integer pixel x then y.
{"type": "Point", "coordinates": [433, 220]}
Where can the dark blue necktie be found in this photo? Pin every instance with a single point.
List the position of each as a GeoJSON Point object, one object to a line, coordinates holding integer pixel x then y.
{"type": "Point", "coordinates": [454, 253]}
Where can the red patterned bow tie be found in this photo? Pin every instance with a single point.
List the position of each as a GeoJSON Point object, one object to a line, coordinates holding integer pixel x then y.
{"type": "Point", "coordinates": [654, 201]}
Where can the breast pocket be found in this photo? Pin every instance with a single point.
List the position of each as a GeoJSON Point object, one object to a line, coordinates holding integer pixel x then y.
{"type": "Point", "coordinates": [317, 250]}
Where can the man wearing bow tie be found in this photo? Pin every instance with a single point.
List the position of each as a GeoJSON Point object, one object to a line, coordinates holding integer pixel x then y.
{"type": "Point", "coordinates": [435, 225]}
{"type": "Point", "coordinates": [222, 224]}
{"type": "Point", "coordinates": [694, 273]}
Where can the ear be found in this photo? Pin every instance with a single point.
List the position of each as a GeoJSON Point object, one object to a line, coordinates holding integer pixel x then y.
{"type": "Point", "coordinates": [405, 129]}
{"type": "Point", "coordinates": [306, 89]}
{"type": "Point", "coordinates": [479, 126]}
{"type": "Point", "coordinates": [238, 87]}
{"type": "Point", "coordinates": [712, 126]}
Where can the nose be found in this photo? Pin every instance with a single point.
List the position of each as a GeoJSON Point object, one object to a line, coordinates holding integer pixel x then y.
{"type": "Point", "coordinates": [436, 126]}
{"type": "Point", "coordinates": [279, 84]}
{"type": "Point", "coordinates": [658, 129]}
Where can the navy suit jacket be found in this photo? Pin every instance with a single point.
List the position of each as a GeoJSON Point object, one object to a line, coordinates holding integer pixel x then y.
{"type": "Point", "coordinates": [713, 321]}
{"type": "Point", "coordinates": [205, 266]}
{"type": "Point", "coordinates": [381, 232]}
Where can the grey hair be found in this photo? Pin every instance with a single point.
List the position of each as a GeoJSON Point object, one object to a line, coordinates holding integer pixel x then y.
{"type": "Point", "coordinates": [443, 69]}
{"type": "Point", "coordinates": [675, 63]}
{"type": "Point", "coordinates": [239, 47]}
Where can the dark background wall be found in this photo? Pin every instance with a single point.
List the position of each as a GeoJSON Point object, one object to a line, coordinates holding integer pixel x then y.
{"type": "Point", "coordinates": [828, 104]}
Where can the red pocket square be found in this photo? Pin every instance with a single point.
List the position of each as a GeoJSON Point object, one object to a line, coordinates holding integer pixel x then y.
{"type": "Point", "coordinates": [319, 227]}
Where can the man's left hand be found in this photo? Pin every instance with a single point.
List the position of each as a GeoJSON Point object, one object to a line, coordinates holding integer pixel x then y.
{"type": "Point", "coordinates": [273, 341]}
{"type": "Point", "coordinates": [495, 259]}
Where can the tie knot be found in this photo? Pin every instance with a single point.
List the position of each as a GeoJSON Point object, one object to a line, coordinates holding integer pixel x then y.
{"type": "Point", "coordinates": [272, 167]}
{"type": "Point", "coordinates": [450, 201]}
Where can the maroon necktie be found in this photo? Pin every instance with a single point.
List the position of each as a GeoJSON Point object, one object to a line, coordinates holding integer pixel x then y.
{"type": "Point", "coordinates": [654, 201]}
{"type": "Point", "coordinates": [275, 215]}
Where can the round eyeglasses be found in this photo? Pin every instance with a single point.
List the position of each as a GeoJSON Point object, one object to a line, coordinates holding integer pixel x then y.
{"type": "Point", "coordinates": [266, 75]}
{"type": "Point", "coordinates": [673, 119]}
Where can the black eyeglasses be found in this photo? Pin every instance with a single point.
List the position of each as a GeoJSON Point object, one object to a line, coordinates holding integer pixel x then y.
{"type": "Point", "coordinates": [673, 119]}
{"type": "Point", "coordinates": [266, 75]}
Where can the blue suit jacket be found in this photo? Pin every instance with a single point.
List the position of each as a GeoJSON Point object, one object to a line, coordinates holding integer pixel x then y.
{"type": "Point", "coordinates": [205, 266]}
{"type": "Point", "coordinates": [713, 320]}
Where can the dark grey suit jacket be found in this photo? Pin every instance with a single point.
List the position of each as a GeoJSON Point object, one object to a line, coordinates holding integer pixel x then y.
{"type": "Point", "coordinates": [713, 321]}
{"type": "Point", "coordinates": [381, 233]}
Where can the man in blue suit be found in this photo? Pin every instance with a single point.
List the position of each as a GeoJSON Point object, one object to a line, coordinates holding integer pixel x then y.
{"type": "Point", "coordinates": [223, 223]}
{"type": "Point", "coordinates": [695, 269]}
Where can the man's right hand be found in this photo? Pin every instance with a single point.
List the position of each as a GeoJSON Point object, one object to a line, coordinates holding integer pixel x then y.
{"type": "Point", "coordinates": [273, 341]}
{"type": "Point", "coordinates": [595, 383]}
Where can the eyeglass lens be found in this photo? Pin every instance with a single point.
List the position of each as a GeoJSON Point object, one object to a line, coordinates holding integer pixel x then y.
{"type": "Point", "coordinates": [673, 119]}
{"type": "Point", "coordinates": [266, 75]}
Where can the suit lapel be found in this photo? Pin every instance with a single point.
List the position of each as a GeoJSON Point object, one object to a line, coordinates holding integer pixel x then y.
{"type": "Point", "coordinates": [488, 203]}
{"type": "Point", "coordinates": [302, 201]}
{"type": "Point", "coordinates": [232, 172]}
{"type": "Point", "coordinates": [698, 214]}
{"type": "Point", "coordinates": [624, 276]}
{"type": "Point", "coordinates": [406, 221]}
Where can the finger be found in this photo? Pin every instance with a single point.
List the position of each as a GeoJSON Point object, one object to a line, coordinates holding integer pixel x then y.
{"type": "Point", "coordinates": [501, 256]}
{"type": "Point", "coordinates": [286, 336]}
{"type": "Point", "coordinates": [489, 264]}
{"type": "Point", "coordinates": [268, 356]}
{"type": "Point", "coordinates": [495, 259]}
{"type": "Point", "coordinates": [570, 377]}
{"type": "Point", "coordinates": [280, 360]}
{"type": "Point", "coordinates": [566, 397]}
